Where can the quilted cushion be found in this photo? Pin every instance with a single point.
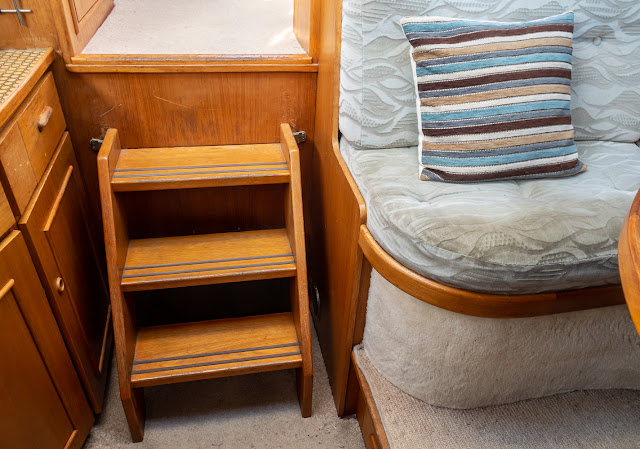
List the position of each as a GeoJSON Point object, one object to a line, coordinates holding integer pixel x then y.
{"type": "Point", "coordinates": [517, 237]}
{"type": "Point", "coordinates": [377, 99]}
{"type": "Point", "coordinates": [493, 98]}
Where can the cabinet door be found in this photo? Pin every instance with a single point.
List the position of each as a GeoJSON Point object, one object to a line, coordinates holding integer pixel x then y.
{"type": "Point", "coordinates": [63, 246]}
{"type": "Point", "coordinates": [77, 21]}
{"type": "Point", "coordinates": [42, 404]}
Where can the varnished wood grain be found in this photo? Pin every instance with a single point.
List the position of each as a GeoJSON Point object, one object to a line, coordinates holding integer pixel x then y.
{"type": "Point", "coordinates": [16, 171]}
{"type": "Point", "coordinates": [38, 30]}
{"type": "Point", "coordinates": [205, 166]}
{"type": "Point", "coordinates": [294, 220]}
{"type": "Point", "coordinates": [91, 63]}
{"type": "Point", "coordinates": [55, 223]}
{"type": "Point", "coordinates": [184, 261]}
{"type": "Point", "coordinates": [206, 349]}
{"type": "Point", "coordinates": [189, 109]}
{"type": "Point", "coordinates": [116, 240]}
{"type": "Point", "coordinates": [7, 220]}
{"type": "Point", "coordinates": [81, 7]}
{"type": "Point", "coordinates": [367, 413]}
{"type": "Point", "coordinates": [481, 304]}
{"type": "Point", "coordinates": [41, 143]}
{"type": "Point", "coordinates": [39, 386]}
{"type": "Point", "coordinates": [338, 211]}
{"type": "Point", "coordinates": [74, 32]}
{"type": "Point", "coordinates": [629, 260]}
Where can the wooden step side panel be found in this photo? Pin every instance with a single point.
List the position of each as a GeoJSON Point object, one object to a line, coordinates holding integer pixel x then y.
{"type": "Point", "coordinates": [294, 220]}
{"type": "Point", "coordinates": [206, 349]}
{"type": "Point", "coordinates": [207, 166]}
{"type": "Point", "coordinates": [123, 312]}
{"type": "Point", "coordinates": [207, 259]}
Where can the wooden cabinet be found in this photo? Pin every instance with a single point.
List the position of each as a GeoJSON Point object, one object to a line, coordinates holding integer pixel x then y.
{"type": "Point", "coordinates": [42, 404]}
{"type": "Point", "coordinates": [56, 225]}
{"type": "Point", "coordinates": [45, 194]}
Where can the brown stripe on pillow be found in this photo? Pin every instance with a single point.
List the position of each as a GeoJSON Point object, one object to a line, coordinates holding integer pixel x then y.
{"type": "Point", "coordinates": [497, 93]}
{"type": "Point", "coordinates": [539, 169]}
{"type": "Point", "coordinates": [491, 33]}
{"type": "Point", "coordinates": [498, 127]}
{"type": "Point", "coordinates": [497, 78]}
{"type": "Point", "coordinates": [485, 48]}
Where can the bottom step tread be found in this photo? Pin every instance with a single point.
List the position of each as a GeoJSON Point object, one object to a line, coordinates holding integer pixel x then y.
{"type": "Point", "coordinates": [217, 348]}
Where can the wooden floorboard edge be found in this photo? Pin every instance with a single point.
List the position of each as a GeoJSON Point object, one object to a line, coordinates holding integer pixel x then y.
{"type": "Point", "coordinates": [368, 416]}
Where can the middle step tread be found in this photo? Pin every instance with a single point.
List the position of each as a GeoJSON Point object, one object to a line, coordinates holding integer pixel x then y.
{"type": "Point", "coordinates": [205, 259]}
{"type": "Point", "coordinates": [205, 166]}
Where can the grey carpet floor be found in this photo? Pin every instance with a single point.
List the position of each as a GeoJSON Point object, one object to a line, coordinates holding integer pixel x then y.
{"type": "Point", "coordinates": [252, 411]}
{"type": "Point", "coordinates": [607, 419]}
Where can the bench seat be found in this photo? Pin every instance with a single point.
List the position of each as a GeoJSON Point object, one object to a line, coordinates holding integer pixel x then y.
{"type": "Point", "coordinates": [504, 237]}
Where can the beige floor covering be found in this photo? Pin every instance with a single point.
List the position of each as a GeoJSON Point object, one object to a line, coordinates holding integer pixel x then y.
{"type": "Point", "coordinates": [252, 411]}
{"type": "Point", "coordinates": [197, 27]}
{"type": "Point", "coordinates": [582, 419]}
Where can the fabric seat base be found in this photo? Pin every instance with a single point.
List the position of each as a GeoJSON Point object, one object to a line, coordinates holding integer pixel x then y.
{"type": "Point", "coordinates": [460, 361]}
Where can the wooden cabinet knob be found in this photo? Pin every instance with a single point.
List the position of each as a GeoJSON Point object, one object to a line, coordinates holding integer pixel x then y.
{"type": "Point", "coordinates": [60, 285]}
{"type": "Point", "coordinates": [44, 117]}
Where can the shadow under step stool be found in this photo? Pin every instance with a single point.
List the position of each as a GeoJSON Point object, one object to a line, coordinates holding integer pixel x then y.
{"type": "Point", "coordinates": [158, 355]}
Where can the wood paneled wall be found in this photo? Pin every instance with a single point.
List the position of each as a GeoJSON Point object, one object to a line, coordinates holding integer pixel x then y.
{"type": "Point", "coordinates": [38, 31]}
{"type": "Point", "coordinates": [184, 109]}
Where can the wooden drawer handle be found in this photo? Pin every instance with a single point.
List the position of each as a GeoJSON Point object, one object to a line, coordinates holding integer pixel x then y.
{"type": "Point", "coordinates": [60, 285]}
{"type": "Point", "coordinates": [7, 288]}
{"type": "Point", "coordinates": [44, 118]}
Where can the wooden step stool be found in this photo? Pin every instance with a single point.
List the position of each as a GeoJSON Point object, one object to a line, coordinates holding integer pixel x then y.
{"type": "Point", "coordinates": [181, 352]}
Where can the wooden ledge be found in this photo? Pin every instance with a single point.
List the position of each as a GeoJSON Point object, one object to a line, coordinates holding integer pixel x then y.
{"type": "Point", "coordinates": [629, 259]}
{"type": "Point", "coordinates": [191, 63]}
{"type": "Point", "coordinates": [482, 304]}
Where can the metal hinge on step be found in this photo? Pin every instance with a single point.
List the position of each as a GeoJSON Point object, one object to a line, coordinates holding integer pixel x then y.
{"type": "Point", "coordinates": [95, 144]}
{"type": "Point", "coordinates": [300, 136]}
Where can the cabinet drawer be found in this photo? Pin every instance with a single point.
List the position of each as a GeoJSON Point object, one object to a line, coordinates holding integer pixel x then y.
{"type": "Point", "coordinates": [16, 171]}
{"type": "Point", "coordinates": [6, 216]}
{"type": "Point", "coordinates": [41, 124]}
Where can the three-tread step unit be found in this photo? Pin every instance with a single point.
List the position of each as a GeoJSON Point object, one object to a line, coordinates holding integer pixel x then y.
{"type": "Point", "coordinates": [172, 353]}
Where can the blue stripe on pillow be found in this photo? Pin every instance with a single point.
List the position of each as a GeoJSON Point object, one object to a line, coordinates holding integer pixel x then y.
{"type": "Point", "coordinates": [499, 110]}
{"type": "Point", "coordinates": [493, 54]}
{"type": "Point", "coordinates": [435, 124]}
{"type": "Point", "coordinates": [409, 26]}
{"type": "Point", "coordinates": [494, 62]}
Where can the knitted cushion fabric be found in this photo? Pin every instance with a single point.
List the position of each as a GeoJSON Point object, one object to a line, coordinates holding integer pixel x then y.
{"type": "Point", "coordinates": [493, 98]}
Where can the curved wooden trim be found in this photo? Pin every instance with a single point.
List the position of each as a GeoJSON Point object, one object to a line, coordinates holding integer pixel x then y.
{"type": "Point", "coordinates": [629, 260]}
{"type": "Point", "coordinates": [482, 304]}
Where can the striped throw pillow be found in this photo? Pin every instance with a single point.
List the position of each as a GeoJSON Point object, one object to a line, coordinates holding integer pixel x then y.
{"type": "Point", "coordinates": [493, 98]}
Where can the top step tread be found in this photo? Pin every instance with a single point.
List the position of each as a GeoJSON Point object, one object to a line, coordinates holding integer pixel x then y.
{"type": "Point", "coordinates": [203, 166]}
